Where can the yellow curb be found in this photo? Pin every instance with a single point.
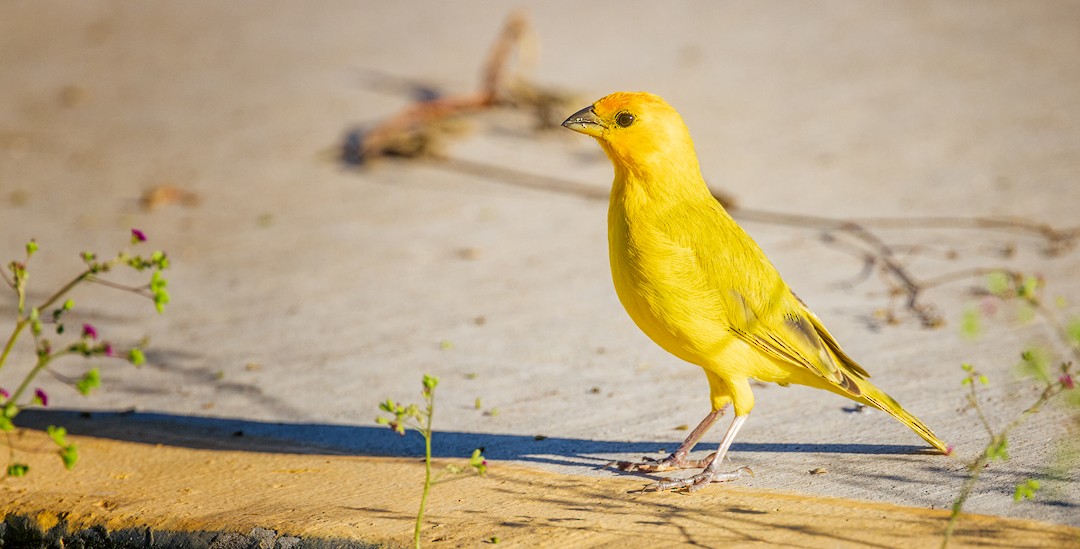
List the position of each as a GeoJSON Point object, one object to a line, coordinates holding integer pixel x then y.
{"type": "Point", "coordinates": [130, 485]}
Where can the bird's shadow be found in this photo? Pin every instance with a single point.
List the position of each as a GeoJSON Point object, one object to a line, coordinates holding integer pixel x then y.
{"type": "Point", "coordinates": [321, 438]}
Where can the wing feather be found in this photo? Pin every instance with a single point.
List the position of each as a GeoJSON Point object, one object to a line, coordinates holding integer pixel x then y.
{"type": "Point", "coordinates": [760, 307]}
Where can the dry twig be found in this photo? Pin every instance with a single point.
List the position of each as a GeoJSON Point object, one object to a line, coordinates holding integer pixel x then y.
{"type": "Point", "coordinates": [417, 131]}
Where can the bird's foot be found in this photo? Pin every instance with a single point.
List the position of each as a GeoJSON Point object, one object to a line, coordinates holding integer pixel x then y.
{"type": "Point", "coordinates": [670, 463]}
{"type": "Point", "coordinates": [698, 481]}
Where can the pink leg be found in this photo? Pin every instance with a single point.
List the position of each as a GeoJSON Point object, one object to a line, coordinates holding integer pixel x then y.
{"type": "Point", "coordinates": [712, 472]}
{"type": "Point", "coordinates": [678, 459]}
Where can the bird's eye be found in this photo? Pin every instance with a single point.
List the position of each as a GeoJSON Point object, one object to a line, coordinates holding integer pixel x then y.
{"type": "Point", "coordinates": [624, 119]}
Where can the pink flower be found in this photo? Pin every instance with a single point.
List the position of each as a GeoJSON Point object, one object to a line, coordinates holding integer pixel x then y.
{"type": "Point", "coordinates": [41, 397]}
{"type": "Point", "coordinates": [89, 331]}
{"type": "Point", "coordinates": [106, 349]}
{"type": "Point", "coordinates": [948, 450]}
{"type": "Point", "coordinates": [4, 393]}
{"type": "Point", "coordinates": [137, 236]}
{"type": "Point", "coordinates": [1066, 381]}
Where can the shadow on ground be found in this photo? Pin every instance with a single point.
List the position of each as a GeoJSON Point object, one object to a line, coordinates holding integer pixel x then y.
{"type": "Point", "coordinates": [201, 433]}
{"type": "Point", "coordinates": [308, 438]}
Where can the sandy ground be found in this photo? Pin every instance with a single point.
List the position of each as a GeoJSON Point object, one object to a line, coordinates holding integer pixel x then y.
{"type": "Point", "coordinates": [126, 485]}
{"type": "Point", "coordinates": [306, 291]}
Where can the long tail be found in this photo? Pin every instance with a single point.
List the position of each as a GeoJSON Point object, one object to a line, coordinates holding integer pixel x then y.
{"type": "Point", "coordinates": [878, 399]}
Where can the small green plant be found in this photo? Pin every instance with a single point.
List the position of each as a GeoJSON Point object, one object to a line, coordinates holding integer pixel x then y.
{"type": "Point", "coordinates": [1036, 363]}
{"type": "Point", "coordinates": [51, 313]}
{"type": "Point", "coordinates": [411, 416]}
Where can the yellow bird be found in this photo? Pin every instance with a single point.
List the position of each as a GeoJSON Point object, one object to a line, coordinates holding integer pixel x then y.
{"type": "Point", "coordinates": [701, 288]}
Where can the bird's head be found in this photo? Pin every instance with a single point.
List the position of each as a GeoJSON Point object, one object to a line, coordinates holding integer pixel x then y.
{"type": "Point", "coordinates": [639, 131]}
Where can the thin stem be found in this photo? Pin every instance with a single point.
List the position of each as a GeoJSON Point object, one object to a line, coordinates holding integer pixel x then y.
{"type": "Point", "coordinates": [140, 290]}
{"type": "Point", "coordinates": [958, 504]}
{"type": "Point", "coordinates": [976, 468]}
{"type": "Point", "coordinates": [947, 278]}
{"type": "Point", "coordinates": [10, 282]}
{"type": "Point", "coordinates": [64, 289]}
{"type": "Point", "coordinates": [19, 326]}
{"type": "Point", "coordinates": [20, 290]}
{"type": "Point", "coordinates": [978, 409]}
{"type": "Point", "coordinates": [43, 361]}
{"type": "Point", "coordinates": [426, 431]}
{"type": "Point", "coordinates": [1062, 331]}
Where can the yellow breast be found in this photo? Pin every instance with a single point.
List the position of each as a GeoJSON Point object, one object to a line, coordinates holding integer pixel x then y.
{"type": "Point", "coordinates": [662, 288]}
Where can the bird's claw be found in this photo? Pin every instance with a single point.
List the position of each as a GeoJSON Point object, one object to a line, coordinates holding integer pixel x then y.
{"type": "Point", "coordinates": [646, 465]}
{"type": "Point", "coordinates": [696, 482]}
{"type": "Point", "coordinates": [670, 463]}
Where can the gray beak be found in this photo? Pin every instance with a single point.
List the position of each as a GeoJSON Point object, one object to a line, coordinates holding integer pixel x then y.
{"type": "Point", "coordinates": [585, 121]}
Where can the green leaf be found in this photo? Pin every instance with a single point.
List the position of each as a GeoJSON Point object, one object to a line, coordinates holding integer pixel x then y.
{"type": "Point", "coordinates": [80, 347]}
{"type": "Point", "coordinates": [136, 356]}
{"type": "Point", "coordinates": [157, 287]}
{"type": "Point", "coordinates": [971, 324]}
{"type": "Point", "coordinates": [1029, 288]}
{"type": "Point", "coordinates": [91, 380]}
{"type": "Point", "coordinates": [44, 348]}
{"type": "Point", "coordinates": [1035, 362]}
{"type": "Point", "coordinates": [999, 283]}
{"type": "Point", "coordinates": [159, 260]}
{"type": "Point", "coordinates": [161, 299]}
{"type": "Point", "coordinates": [478, 462]}
{"type": "Point", "coordinates": [35, 321]}
{"type": "Point", "coordinates": [58, 435]}
{"type": "Point", "coordinates": [1026, 490]}
{"type": "Point", "coordinates": [31, 247]}
{"type": "Point", "coordinates": [998, 449]}
{"type": "Point", "coordinates": [69, 455]}
{"type": "Point", "coordinates": [1073, 329]}
{"type": "Point", "coordinates": [6, 425]}
{"type": "Point", "coordinates": [430, 381]}
{"type": "Point", "coordinates": [17, 469]}
{"type": "Point", "coordinates": [18, 270]}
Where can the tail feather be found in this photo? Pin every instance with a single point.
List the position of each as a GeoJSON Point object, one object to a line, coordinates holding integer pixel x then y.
{"type": "Point", "coordinates": [878, 399]}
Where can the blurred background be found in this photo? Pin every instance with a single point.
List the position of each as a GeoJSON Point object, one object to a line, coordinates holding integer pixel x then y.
{"type": "Point", "coordinates": [307, 287]}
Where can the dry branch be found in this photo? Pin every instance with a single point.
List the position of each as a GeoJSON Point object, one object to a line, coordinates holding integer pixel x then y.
{"type": "Point", "coordinates": [416, 132]}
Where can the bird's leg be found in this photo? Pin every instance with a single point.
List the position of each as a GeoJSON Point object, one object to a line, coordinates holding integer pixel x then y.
{"type": "Point", "coordinates": [676, 460]}
{"type": "Point", "coordinates": [712, 472]}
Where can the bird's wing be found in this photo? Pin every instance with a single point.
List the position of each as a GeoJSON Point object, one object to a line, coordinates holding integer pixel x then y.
{"type": "Point", "coordinates": [763, 311]}
{"type": "Point", "coordinates": [829, 340]}
{"type": "Point", "coordinates": [792, 336]}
